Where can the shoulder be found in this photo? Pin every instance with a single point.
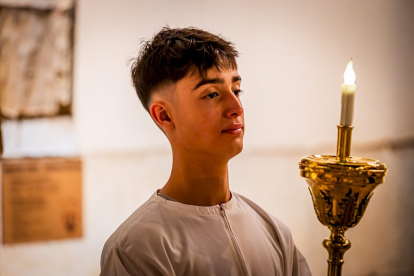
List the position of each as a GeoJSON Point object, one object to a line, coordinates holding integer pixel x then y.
{"type": "Point", "coordinates": [295, 263]}
{"type": "Point", "coordinates": [274, 225]}
{"type": "Point", "coordinates": [142, 231]}
{"type": "Point", "coordinates": [137, 247]}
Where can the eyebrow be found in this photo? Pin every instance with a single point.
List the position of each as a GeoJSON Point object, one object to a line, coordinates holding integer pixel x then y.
{"type": "Point", "coordinates": [216, 80]}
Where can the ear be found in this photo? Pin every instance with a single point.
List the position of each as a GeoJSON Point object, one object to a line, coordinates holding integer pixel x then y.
{"type": "Point", "coordinates": [161, 116]}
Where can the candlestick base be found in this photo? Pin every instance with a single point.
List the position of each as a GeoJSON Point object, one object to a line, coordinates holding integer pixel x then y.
{"type": "Point", "coordinates": [340, 189]}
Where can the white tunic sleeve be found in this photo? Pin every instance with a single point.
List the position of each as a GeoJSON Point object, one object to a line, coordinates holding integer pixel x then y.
{"type": "Point", "coordinates": [300, 266]}
{"type": "Point", "coordinates": [117, 263]}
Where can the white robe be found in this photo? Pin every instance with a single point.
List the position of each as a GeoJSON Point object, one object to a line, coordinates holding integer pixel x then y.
{"type": "Point", "coordinates": [164, 237]}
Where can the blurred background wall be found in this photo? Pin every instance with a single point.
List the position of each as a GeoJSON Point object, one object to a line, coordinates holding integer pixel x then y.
{"type": "Point", "coordinates": [293, 55]}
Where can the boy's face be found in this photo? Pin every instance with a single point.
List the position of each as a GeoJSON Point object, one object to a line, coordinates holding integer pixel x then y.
{"type": "Point", "coordinates": [208, 115]}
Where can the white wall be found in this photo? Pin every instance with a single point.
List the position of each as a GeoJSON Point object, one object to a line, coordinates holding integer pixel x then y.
{"type": "Point", "coordinates": [293, 55]}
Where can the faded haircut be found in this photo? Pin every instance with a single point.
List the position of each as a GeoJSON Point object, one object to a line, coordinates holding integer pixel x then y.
{"type": "Point", "coordinates": [173, 53]}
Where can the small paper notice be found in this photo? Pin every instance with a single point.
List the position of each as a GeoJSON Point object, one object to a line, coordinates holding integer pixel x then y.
{"type": "Point", "coordinates": [42, 199]}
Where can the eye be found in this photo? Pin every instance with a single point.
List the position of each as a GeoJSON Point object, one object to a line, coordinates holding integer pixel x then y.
{"type": "Point", "coordinates": [212, 95]}
{"type": "Point", "coordinates": [237, 92]}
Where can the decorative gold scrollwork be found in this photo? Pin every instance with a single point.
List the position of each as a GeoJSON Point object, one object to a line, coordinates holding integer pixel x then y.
{"type": "Point", "coordinates": [340, 190]}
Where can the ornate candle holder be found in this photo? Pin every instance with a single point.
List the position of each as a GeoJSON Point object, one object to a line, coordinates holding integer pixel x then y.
{"type": "Point", "coordinates": [341, 187]}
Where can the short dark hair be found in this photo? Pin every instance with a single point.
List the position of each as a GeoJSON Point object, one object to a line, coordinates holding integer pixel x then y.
{"type": "Point", "coordinates": [173, 53]}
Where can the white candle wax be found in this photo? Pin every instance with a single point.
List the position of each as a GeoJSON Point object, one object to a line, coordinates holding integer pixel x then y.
{"type": "Point", "coordinates": [348, 95]}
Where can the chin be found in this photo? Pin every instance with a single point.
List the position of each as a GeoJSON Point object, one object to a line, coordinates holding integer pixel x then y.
{"type": "Point", "coordinates": [236, 150]}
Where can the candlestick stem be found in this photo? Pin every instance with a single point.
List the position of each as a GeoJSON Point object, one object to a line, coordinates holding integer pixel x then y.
{"type": "Point", "coordinates": [336, 245]}
{"type": "Point", "coordinates": [343, 150]}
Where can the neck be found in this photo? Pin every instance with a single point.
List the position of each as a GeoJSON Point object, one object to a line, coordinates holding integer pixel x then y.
{"type": "Point", "coordinates": [198, 180]}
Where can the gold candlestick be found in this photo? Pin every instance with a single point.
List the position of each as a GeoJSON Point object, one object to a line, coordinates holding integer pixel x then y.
{"type": "Point", "coordinates": [341, 187]}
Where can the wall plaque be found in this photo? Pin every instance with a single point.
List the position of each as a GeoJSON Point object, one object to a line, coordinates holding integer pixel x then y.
{"type": "Point", "coordinates": [42, 199]}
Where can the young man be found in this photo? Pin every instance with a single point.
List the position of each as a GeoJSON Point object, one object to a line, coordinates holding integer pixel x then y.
{"type": "Point", "coordinates": [188, 82]}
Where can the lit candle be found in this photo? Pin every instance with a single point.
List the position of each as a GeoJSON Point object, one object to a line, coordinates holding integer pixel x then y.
{"type": "Point", "coordinates": [348, 95]}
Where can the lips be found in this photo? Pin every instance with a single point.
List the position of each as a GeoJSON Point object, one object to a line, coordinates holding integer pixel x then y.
{"type": "Point", "coordinates": [233, 128]}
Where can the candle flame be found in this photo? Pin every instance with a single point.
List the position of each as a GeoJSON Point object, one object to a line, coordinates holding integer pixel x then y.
{"type": "Point", "coordinates": [349, 75]}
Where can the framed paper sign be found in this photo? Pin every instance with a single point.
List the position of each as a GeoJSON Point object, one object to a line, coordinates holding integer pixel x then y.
{"type": "Point", "coordinates": [42, 199]}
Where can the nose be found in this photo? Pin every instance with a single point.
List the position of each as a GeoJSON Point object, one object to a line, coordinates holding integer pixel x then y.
{"type": "Point", "coordinates": [234, 107]}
